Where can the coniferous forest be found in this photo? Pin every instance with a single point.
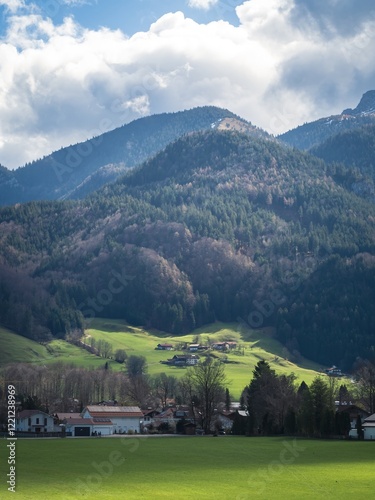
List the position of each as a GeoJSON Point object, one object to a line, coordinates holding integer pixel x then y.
{"type": "Point", "coordinates": [220, 225]}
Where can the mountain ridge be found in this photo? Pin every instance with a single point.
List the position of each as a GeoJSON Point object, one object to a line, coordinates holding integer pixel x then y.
{"type": "Point", "coordinates": [62, 174]}
{"type": "Point", "coordinates": [206, 230]}
{"type": "Point", "coordinates": [314, 133]}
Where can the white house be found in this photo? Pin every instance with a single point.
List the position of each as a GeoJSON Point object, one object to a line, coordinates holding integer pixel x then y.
{"type": "Point", "coordinates": [369, 427]}
{"type": "Point", "coordinates": [34, 421]}
{"type": "Point", "coordinates": [114, 419]}
{"type": "Point", "coordinates": [79, 426]}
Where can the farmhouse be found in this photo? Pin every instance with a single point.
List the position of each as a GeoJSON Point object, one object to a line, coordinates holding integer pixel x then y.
{"type": "Point", "coordinates": [193, 347]}
{"type": "Point", "coordinates": [114, 419]}
{"type": "Point", "coordinates": [223, 346]}
{"type": "Point", "coordinates": [183, 360]}
{"type": "Point", "coordinates": [334, 372]}
{"type": "Point", "coordinates": [34, 421]}
{"type": "Point", "coordinates": [164, 347]}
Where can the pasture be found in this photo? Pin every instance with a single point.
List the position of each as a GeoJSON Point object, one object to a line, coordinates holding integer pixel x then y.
{"type": "Point", "coordinates": [253, 346]}
{"type": "Point", "coordinates": [184, 468]}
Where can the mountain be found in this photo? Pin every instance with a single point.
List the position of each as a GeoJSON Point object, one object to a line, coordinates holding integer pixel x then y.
{"type": "Point", "coordinates": [220, 225]}
{"type": "Point", "coordinates": [75, 171]}
{"type": "Point", "coordinates": [312, 134]}
{"type": "Point", "coordinates": [356, 150]}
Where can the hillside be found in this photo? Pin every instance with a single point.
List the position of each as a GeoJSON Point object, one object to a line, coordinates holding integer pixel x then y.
{"type": "Point", "coordinates": [356, 150]}
{"type": "Point", "coordinates": [75, 171]}
{"type": "Point", "coordinates": [253, 345]}
{"type": "Point", "coordinates": [216, 227]}
{"type": "Point", "coordinates": [312, 134]}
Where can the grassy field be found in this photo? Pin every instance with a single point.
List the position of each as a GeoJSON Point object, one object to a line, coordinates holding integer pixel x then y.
{"type": "Point", "coordinates": [18, 349]}
{"type": "Point", "coordinates": [184, 468]}
{"type": "Point", "coordinates": [255, 345]}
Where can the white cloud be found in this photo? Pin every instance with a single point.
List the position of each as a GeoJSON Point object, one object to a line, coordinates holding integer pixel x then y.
{"type": "Point", "coordinates": [202, 4]}
{"type": "Point", "coordinates": [60, 84]}
{"type": "Point", "coordinates": [13, 5]}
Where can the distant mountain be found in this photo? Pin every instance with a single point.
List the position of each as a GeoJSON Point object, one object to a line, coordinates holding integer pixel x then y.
{"type": "Point", "coordinates": [217, 226]}
{"type": "Point", "coordinates": [356, 150]}
{"type": "Point", "coordinates": [312, 134]}
{"type": "Point", "coordinates": [74, 171]}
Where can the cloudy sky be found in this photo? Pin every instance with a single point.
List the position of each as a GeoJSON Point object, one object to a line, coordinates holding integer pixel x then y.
{"type": "Point", "coordinates": [71, 69]}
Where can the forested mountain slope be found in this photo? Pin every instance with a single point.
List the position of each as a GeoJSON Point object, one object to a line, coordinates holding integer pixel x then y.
{"type": "Point", "coordinates": [218, 226]}
{"type": "Point", "coordinates": [74, 171]}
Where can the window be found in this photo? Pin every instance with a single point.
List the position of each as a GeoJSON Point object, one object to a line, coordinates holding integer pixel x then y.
{"type": "Point", "coordinates": [29, 421]}
{"type": "Point", "coordinates": [45, 421]}
{"type": "Point", "coordinates": [37, 421]}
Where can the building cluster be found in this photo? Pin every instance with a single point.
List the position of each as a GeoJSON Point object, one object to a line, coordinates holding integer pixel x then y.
{"type": "Point", "coordinates": [107, 419]}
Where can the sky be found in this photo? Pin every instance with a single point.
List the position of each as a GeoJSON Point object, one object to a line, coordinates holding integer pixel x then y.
{"type": "Point", "coordinates": [73, 69]}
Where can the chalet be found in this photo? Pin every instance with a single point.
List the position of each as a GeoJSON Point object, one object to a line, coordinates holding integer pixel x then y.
{"type": "Point", "coordinates": [115, 419]}
{"type": "Point", "coordinates": [224, 346]}
{"type": "Point", "coordinates": [183, 360]}
{"type": "Point", "coordinates": [193, 347]}
{"type": "Point", "coordinates": [219, 346]}
{"type": "Point", "coordinates": [35, 421]}
{"type": "Point", "coordinates": [334, 372]}
{"type": "Point", "coordinates": [164, 347]}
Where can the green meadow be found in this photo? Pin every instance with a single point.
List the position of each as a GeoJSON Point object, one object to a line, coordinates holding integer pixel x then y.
{"type": "Point", "coordinates": [184, 468]}
{"type": "Point", "coordinates": [254, 345]}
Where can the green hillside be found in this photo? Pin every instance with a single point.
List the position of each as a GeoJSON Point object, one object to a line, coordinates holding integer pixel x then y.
{"type": "Point", "coordinates": [215, 224]}
{"type": "Point", "coordinates": [17, 349]}
{"type": "Point", "coordinates": [253, 346]}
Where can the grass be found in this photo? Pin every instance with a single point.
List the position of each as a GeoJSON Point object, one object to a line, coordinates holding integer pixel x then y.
{"type": "Point", "coordinates": [18, 349]}
{"type": "Point", "coordinates": [186, 468]}
{"type": "Point", "coordinates": [255, 345]}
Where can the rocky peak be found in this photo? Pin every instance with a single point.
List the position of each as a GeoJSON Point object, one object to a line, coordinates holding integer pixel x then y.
{"type": "Point", "coordinates": [365, 107]}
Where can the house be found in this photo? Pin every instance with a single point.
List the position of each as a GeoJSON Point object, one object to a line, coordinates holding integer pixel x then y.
{"type": "Point", "coordinates": [334, 372]}
{"type": "Point", "coordinates": [79, 427]}
{"type": "Point", "coordinates": [369, 428]}
{"type": "Point", "coordinates": [193, 347]}
{"type": "Point", "coordinates": [35, 421]}
{"type": "Point", "coordinates": [223, 420]}
{"type": "Point", "coordinates": [353, 411]}
{"type": "Point", "coordinates": [164, 347]}
{"type": "Point", "coordinates": [183, 360]}
{"type": "Point", "coordinates": [224, 346]}
{"type": "Point", "coordinates": [122, 418]}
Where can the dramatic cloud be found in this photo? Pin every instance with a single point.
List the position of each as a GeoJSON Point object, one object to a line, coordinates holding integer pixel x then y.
{"type": "Point", "coordinates": [284, 64]}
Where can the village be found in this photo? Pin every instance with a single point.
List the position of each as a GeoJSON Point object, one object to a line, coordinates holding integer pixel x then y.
{"type": "Point", "coordinates": [109, 419]}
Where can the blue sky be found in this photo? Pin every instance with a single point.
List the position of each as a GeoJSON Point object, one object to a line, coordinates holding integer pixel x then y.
{"type": "Point", "coordinates": [130, 16]}
{"type": "Point", "coordinates": [71, 69]}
